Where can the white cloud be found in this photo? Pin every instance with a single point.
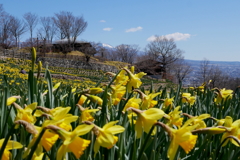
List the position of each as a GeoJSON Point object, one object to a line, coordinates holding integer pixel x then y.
{"type": "Point", "coordinates": [176, 36]}
{"type": "Point", "coordinates": [102, 21]}
{"type": "Point", "coordinates": [152, 38]}
{"type": "Point", "coordinates": [134, 29]}
{"type": "Point", "coordinates": [107, 29]}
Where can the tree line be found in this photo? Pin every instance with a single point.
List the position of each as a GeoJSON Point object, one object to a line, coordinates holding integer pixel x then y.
{"type": "Point", "coordinates": [63, 25]}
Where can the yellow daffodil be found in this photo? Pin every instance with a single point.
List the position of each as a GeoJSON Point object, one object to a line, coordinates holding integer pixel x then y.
{"type": "Point", "coordinates": [175, 117]}
{"type": "Point", "coordinates": [85, 114]}
{"type": "Point", "coordinates": [182, 137]}
{"type": "Point", "coordinates": [233, 129]}
{"type": "Point", "coordinates": [12, 99]}
{"type": "Point", "coordinates": [147, 100]}
{"type": "Point", "coordinates": [48, 139]}
{"type": "Point", "coordinates": [10, 145]}
{"type": "Point", "coordinates": [61, 117]}
{"type": "Point", "coordinates": [199, 120]}
{"type": "Point", "coordinates": [146, 119]}
{"type": "Point", "coordinates": [134, 79]}
{"type": "Point", "coordinates": [118, 91]}
{"type": "Point", "coordinates": [132, 102]}
{"type": "Point", "coordinates": [82, 99]}
{"type": "Point", "coordinates": [105, 135]}
{"type": "Point", "coordinates": [121, 77]}
{"type": "Point", "coordinates": [71, 140]}
{"type": "Point", "coordinates": [26, 113]}
{"type": "Point", "coordinates": [223, 94]}
{"type": "Point", "coordinates": [168, 102]}
{"type": "Point", "coordinates": [186, 97]}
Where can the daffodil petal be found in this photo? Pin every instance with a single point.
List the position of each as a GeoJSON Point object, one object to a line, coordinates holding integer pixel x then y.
{"type": "Point", "coordinates": [82, 129]}
{"type": "Point", "coordinates": [153, 113]}
{"type": "Point", "coordinates": [172, 150]}
{"type": "Point", "coordinates": [116, 129]}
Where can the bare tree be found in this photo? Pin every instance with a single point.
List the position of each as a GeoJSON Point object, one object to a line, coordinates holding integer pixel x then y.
{"type": "Point", "coordinates": [5, 34]}
{"type": "Point", "coordinates": [48, 29]}
{"type": "Point", "coordinates": [126, 53]}
{"type": "Point", "coordinates": [165, 51]}
{"type": "Point", "coordinates": [17, 28]}
{"type": "Point", "coordinates": [31, 21]}
{"type": "Point", "coordinates": [204, 71]}
{"type": "Point", "coordinates": [69, 26]}
{"type": "Point", "coordinates": [181, 69]}
{"type": "Point", "coordinates": [215, 75]}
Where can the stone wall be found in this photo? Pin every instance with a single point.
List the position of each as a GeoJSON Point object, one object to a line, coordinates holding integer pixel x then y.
{"type": "Point", "coordinates": [70, 63]}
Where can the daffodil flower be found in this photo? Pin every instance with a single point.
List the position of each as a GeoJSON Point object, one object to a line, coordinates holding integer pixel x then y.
{"type": "Point", "coordinates": [82, 99]}
{"type": "Point", "coordinates": [181, 137]}
{"type": "Point", "coordinates": [62, 118]}
{"type": "Point", "coordinates": [146, 119]}
{"type": "Point", "coordinates": [223, 94]}
{"type": "Point", "coordinates": [48, 139]}
{"type": "Point", "coordinates": [85, 114]}
{"type": "Point", "coordinates": [233, 129]}
{"type": "Point", "coordinates": [105, 135]}
{"type": "Point", "coordinates": [118, 91]}
{"type": "Point", "coordinates": [12, 99]}
{"type": "Point", "coordinates": [10, 145]}
{"type": "Point", "coordinates": [134, 79]}
{"type": "Point", "coordinates": [199, 120]}
{"type": "Point", "coordinates": [186, 97]}
{"type": "Point", "coordinates": [168, 102]}
{"type": "Point", "coordinates": [147, 100]}
{"type": "Point", "coordinates": [132, 102]}
{"type": "Point", "coordinates": [26, 113]}
{"type": "Point", "coordinates": [71, 140]}
{"type": "Point", "coordinates": [175, 118]}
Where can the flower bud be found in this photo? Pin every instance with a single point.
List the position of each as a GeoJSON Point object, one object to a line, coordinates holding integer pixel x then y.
{"type": "Point", "coordinates": [95, 99]}
{"type": "Point", "coordinates": [95, 90]}
{"type": "Point", "coordinates": [34, 57]}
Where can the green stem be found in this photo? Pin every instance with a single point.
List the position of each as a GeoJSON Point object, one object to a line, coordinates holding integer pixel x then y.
{"type": "Point", "coordinates": [6, 140]}
{"type": "Point", "coordinates": [145, 143]}
{"type": "Point", "coordinates": [35, 145]}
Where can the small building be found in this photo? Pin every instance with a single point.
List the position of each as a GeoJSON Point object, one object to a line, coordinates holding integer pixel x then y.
{"type": "Point", "coordinates": [153, 68]}
{"type": "Point", "coordinates": [64, 46]}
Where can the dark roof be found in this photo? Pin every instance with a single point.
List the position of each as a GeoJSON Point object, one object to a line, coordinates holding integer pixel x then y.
{"type": "Point", "coordinates": [149, 66]}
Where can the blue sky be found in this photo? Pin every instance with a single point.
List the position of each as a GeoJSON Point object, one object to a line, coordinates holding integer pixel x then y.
{"type": "Point", "coordinates": [202, 28]}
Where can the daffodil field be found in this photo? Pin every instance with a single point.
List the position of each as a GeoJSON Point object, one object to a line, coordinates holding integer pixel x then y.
{"type": "Point", "coordinates": [44, 119]}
